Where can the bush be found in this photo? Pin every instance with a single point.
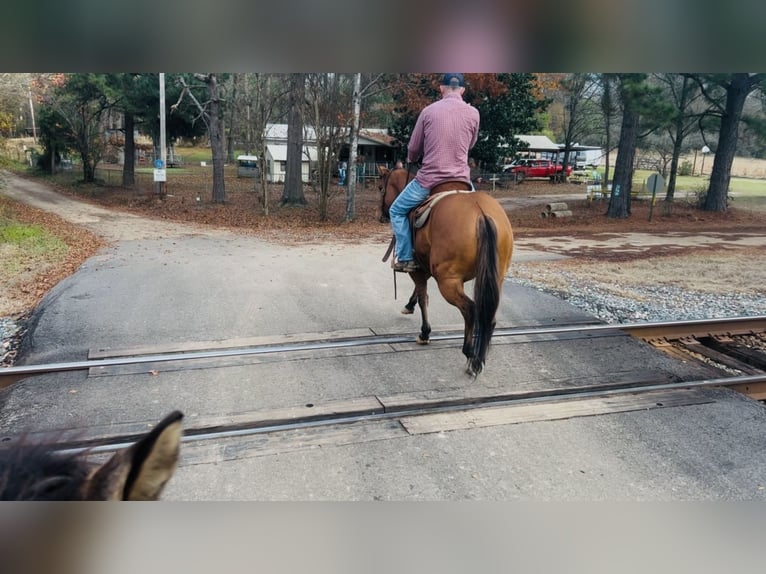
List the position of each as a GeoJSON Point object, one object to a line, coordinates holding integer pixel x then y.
{"type": "Point", "coordinates": [700, 196]}
{"type": "Point", "coordinates": [685, 168]}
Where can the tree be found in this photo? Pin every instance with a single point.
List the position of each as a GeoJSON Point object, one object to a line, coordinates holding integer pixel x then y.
{"type": "Point", "coordinates": [356, 110]}
{"type": "Point", "coordinates": [728, 109]}
{"type": "Point", "coordinates": [135, 95]}
{"type": "Point", "coordinates": [211, 113]}
{"type": "Point", "coordinates": [576, 91]}
{"type": "Point", "coordinates": [608, 109]}
{"type": "Point", "coordinates": [619, 200]}
{"type": "Point", "coordinates": [327, 99]}
{"type": "Point", "coordinates": [508, 104]}
{"type": "Point", "coordinates": [643, 112]}
{"type": "Point", "coordinates": [15, 100]}
{"type": "Point", "coordinates": [79, 102]}
{"type": "Point", "coordinates": [263, 94]}
{"type": "Point", "coordinates": [364, 88]}
{"type": "Point", "coordinates": [684, 93]}
{"type": "Point", "coordinates": [293, 190]}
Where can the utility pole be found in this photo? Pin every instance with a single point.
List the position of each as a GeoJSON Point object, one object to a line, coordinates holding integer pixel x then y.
{"type": "Point", "coordinates": [160, 165]}
{"type": "Point", "coordinates": [32, 113]}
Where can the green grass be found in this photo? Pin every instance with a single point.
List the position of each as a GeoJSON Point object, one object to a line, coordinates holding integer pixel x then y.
{"type": "Point", "coordinates": [32, 239]}
{"type": "Point", "coordinates": [25, 247]}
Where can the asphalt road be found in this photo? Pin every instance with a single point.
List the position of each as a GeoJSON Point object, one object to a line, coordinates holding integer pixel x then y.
{"type": "Point", "coordinates": [160, 284]}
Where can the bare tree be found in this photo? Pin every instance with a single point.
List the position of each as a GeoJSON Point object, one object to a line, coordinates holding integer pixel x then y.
{"type": "Point", "coordinates": [576, 91]}
{"type": "Point", "coordinates": [371, 87]}
{"type": "Point", "coordinates": [327, 102]}
{"type": "Point", "coordinates": [262, 97]}
{"type": "Point", "coordinates": [210, 112]}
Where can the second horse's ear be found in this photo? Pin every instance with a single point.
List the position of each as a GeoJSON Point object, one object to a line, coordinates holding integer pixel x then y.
{"type": "Point", "coordinates": [141, 471]}
{"type": "Point", "coordinates": [382, 170]}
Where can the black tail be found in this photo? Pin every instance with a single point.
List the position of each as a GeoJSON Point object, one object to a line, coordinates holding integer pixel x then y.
{"type": "Point", "coordinates": [486, 291]}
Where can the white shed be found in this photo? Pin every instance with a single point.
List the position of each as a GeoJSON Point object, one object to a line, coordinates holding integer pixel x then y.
{"type": "Point", "coordinates": [276, 162]}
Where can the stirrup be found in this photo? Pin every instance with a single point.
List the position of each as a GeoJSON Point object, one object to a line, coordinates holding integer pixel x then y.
{"type": "Point", "coordinates": [406, 266]}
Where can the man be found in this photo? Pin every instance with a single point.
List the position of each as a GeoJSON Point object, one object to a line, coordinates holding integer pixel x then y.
{"type": "Point", "coordinates": [444, 133]}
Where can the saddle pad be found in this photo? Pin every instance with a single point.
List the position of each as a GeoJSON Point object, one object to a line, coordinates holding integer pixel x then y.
{"type": "Point", "coordinates": [422, 211]}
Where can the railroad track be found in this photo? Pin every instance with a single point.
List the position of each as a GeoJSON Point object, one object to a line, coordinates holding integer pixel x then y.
{"type": "Point", "coordinates": [733, 350]}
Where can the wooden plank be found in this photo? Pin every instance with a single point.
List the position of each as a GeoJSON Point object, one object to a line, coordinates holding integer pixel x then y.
{"type": "Point", "coordinates": [514, 414]}
{"type": "Point", "coordinates": [243, 342]}
{"type": "Point", "coordinates": [755, 391]}
{"type": "Point", "coordinates": [212, 423]}
{"type": "Point", "coordinates": [154, 368]}
{"type": "Point", "coordinates": [696, 346]}
{"type": "Point", "coordinates": [472, 394]}
{"type": "Point", "coordinates": [249, 446]}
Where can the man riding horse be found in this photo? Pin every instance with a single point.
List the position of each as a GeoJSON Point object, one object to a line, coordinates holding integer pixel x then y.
{"type": "Point", "coordinates": [444, 133]}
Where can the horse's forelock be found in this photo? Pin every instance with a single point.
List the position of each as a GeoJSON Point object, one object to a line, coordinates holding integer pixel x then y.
{"type": "Point", "coordinates": [33, 472]}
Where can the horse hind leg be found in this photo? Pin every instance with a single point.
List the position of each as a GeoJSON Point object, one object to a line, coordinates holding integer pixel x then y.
{"type": "Point", "coordinates": [453, 293]}
{"type": "Point", "coordinates": [421, 296]}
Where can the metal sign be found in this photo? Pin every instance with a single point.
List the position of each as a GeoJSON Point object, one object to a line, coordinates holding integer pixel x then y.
{"type": "Point", "coordinates": [159, 164]}
{"type": "Point", "coordinates": [655, 183]}
{"type": "Point", "coordinates": [160, 175]}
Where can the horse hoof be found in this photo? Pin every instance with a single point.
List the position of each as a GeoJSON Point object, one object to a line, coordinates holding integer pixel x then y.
{"type": "Point", "coordinates": [473, 370]}
{"type": "Point", "coordinates": [421, 341]}
{"type": "Point", "coordinates": [406, 311]}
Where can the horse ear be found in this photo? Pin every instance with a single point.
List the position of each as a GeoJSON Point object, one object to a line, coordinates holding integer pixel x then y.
{"type": "Point", "coordinates": [141, 471]}
{"type": "Point", "coordinates": [382, 170]}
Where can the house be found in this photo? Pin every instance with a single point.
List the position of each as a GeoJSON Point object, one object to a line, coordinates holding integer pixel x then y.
{"type": "Point", "coordinates": [276, 162]}
{"type": "Point", "coordinates": [375, 146]}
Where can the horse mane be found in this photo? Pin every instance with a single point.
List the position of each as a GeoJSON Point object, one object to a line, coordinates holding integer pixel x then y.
{"type": "Point", "coordinates": [35, 471]}
{"type": "Point", "coordinates": [32, 471]}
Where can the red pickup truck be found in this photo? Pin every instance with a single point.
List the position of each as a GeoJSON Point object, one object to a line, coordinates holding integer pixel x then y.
{"type": "Point", "coordinates": [536, 168]}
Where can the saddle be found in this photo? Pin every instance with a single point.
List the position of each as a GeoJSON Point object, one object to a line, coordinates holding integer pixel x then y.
{"type": "Point", "coordinates": [419, 215]}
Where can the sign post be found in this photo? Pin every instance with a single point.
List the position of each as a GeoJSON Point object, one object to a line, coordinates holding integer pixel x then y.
{"type": "Point", "coordinates": [655, 183]}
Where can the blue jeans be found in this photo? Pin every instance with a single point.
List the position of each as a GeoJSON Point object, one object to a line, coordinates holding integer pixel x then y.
{"type": "Point", "coordinates": [411, 196]}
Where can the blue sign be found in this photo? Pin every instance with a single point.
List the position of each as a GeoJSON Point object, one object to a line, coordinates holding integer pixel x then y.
{"type": "Point", "coordinates": [159, 164]}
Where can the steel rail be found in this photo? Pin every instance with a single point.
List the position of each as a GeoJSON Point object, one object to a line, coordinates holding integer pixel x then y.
{"type": "Point", "coordinates": [9, 375]}
{"type": "Point", "coordinates": [553, 395]}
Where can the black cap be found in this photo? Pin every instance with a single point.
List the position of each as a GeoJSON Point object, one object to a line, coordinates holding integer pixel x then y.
{"type": "Point", "coordinates": [453, 80]}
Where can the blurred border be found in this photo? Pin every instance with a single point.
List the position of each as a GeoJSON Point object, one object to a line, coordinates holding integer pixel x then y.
{"type": "Point", "coordinates": [345, 36]}
{"type": "Point", "coordinates": [339, 538]}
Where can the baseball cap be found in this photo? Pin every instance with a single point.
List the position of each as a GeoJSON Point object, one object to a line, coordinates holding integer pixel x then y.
{"type": "Point", "coordinates": [454, 80]}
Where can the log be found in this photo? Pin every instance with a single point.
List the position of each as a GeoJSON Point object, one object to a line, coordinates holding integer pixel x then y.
{"type": "Point", "coordinates": [563, 213]}
{"type": "Point", "coordinates": [556, 207]}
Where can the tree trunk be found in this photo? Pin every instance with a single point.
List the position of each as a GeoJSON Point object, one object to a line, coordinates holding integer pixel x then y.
{"type": "Point", "coordinates": [232, 118]}
{"type": "Point", "coordinates": [129, 160]}
{"type": "Point", "coordinates": [606, 106]}
{"type": "Point", "coordinates": [293, 191]}
{"type": "Point", "coordinates": [619, 201]}
{"type": "Point", "coordinates": [356, 104]}
{"type": "Point", "coordinates": [736, 94]}
{"type": "Point", "coordinates": [216, 140]}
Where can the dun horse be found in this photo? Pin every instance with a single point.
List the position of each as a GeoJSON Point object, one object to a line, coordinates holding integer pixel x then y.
{"type": "Point", "coordinates": [466, 236]}
{"type": "Point", "coordinates": [140, 472]}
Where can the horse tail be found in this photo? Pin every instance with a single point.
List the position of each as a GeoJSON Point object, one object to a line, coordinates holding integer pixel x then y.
{"type": "Point", "coordinates": [486, 290]}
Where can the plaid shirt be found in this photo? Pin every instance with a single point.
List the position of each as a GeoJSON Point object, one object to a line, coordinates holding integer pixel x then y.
{"type": "Point", "coordinates": [443, 134]}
